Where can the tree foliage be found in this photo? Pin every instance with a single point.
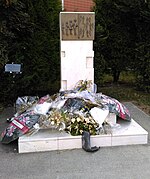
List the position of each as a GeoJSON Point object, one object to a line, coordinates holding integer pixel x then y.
{"type": "Point", "coordinates": [142, 47]}
{"type": "Point", "coordinates": [117, 43]}
{"type": "Point", "coordinates": [29, 34]}
{"type": "Point", "coordinates": [43, 53]}
{"type": "Point", "coordinates": [16, 30]}
{"type": "Point", "coordinates": [122, 36]}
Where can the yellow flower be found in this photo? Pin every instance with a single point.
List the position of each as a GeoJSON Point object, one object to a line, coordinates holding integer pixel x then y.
{"type": "Point", "coordinates": [90, 127]}
{"type": "Point", "coordinates": [52, 123]}
{"type": "Point", "coordinates": [81, 131]}
{"type": "Point", "coordinates": [87, 120]}
{"type": "Point", "coordinates": [78, 119]}
{"type": "Point", "coordinates": [73, 120]}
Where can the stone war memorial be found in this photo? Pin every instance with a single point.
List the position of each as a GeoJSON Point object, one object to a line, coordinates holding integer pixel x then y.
{"type": "Point", "coordinates": [77, 116]}
{"type": "Point", "coordinates": [77, 55]}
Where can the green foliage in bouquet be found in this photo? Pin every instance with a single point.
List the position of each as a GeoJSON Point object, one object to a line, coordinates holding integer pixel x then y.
{"type": "Point", "coordinates": [74, 123]}
{"type": "Point", "coordinates": [78, 124]}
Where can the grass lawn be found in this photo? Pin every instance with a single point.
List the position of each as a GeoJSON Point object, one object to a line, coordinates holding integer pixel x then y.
{"type": "Point", "coordinates": [125, 91]}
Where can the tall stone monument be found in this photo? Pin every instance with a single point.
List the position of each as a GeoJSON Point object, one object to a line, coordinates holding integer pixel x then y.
{"type": "Point", "coordinates": [76, 44]}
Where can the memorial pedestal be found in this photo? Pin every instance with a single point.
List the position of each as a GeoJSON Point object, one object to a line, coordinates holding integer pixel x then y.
{"type": "Point", "coordinates": [127, 133]}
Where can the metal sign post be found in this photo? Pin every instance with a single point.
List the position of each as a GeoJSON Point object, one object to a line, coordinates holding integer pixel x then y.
{"type": "Point", "coordinates": [13, 69]}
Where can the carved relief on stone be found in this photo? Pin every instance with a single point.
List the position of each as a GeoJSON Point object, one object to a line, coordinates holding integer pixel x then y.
{"type": "Point", "coordinates": [77, 26]}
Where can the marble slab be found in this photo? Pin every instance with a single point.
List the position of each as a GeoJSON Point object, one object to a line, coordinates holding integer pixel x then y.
{"type": "Point", "coordinates": [77, 59]}
{"type": "Point", "coordinates": [128, 133]}
{"type": "Point", "coordinates": [122, 133]}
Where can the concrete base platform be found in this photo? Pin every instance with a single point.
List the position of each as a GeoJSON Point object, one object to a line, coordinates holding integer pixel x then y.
{"type": "Point", "coordinates": [123, 133]}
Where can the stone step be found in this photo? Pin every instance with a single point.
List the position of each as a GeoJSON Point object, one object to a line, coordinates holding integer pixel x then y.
{"type": "Point", "coordinates": [122, 133]}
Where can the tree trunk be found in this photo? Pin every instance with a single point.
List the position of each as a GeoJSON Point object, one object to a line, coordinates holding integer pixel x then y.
{"type": "Point", "coordinates": [116, 75]}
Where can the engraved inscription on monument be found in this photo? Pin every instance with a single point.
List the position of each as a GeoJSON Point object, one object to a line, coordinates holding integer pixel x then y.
{"type": "Point", "coordinates": [77, 26]}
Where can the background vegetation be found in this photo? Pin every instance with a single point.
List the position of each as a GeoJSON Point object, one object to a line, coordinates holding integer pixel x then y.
{"type": "Point", "coordinates": [29, 34]}
{"type": "Point", "coordinates": [123, 40]}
